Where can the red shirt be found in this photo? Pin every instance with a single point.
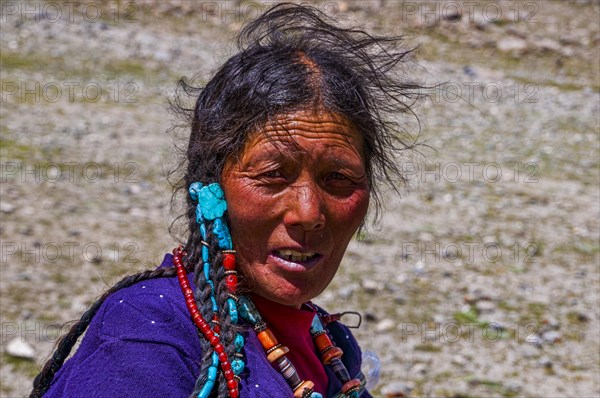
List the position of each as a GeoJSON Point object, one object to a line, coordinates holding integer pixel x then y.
{"type": "Point", "coordinates": [291, 327]}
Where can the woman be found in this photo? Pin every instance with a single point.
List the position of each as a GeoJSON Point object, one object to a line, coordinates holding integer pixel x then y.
{"type": "Point", "coordinates": [287, 141]}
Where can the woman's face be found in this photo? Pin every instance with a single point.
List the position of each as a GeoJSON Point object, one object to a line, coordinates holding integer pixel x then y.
{"type": "Point", "coordinates": [296, 196]}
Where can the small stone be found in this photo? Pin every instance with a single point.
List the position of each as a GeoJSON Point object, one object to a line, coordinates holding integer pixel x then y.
{"type": "Point", "coordinates": [513, 387]}
{"type": "Point", "coordinates": [459, 360]}
{"type": "Point", "coordinates": [419, 369]}
{"type": "Point", "coordinates": [20, 349]}
{"type": "Point", "coordinates": [485, 307]}
{"type": "Point", "coordinates": [534, 339]}
{"type": "Point", "coordinates": [551, 336]}
{"type": "Point", "coordinates": [396, 390]}
{"type": "Point", "coordinates": [480, 21]}
{"type": "Point", "coordinates": [581, 317]}
{"type": "Point", "coordinates": [347, 291]}
{"type": "Point", "coordinates": [419, 268]}
{"type": "Point", "coordinates": [370, 286]}
{"type": "Point", "coordinates": [7, 207]}
{"type": "Point", "coordinates": [133, 189]}
{"type": "Point", "coordinates": [27, 231]}
{"type": "Point", "coordinates": [370, 317]}
{"type": "Point", "coordinates": [529, 351]}
{"type": "Point", "coordinates": [549, 44]}
{"type": "Point", "coordinates": [552, 323]}
{"type": "Point", "coordinates": [391, 287]}
{"type": "Point", "coordinates": [400, 300]}
{"type": "Point", "coordinates": [385, 325]}
{"type": "Point", "coordinates": [512, 44]}
{"type": "Point", "coordinates": [453, 15]}
{"type": "Point", "coordinates": [545, 363]}
{"type": "Point", "coordinates": [469, 71]}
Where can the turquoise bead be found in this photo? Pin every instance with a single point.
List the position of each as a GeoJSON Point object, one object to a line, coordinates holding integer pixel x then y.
{"type": "Point", "coordinates": [212, 201]}
{"type": "Point", "coordinates": [238, 342]}
{"type": "Point", "coordinates": [204, 254]}
{"type": "Point", "coordinates": [316, 325]}
{"type": "Point", "coordinates": [215, 308]}
{"type": "Point", "coordinates": [194, 189]}
{"type": "Point", "coordinates": [237, 365]}
{"type": "Point", "coordinates": [222, 232]}
{"type": "Point", "coordinates": [233, 312]}
{"type": "Point", "coordinates": [248, 311]}
{"type": "Point", "coordinates": [207, 272]}
{"type": "Point", "coordinates": [203, 231]}
{"type": "Point", "coordinates": [354, 394]}
{"type": "Point", "coordinates": [206, 389]}
{"type": "Point", "coordinates": [316, 395]}
{"type": "Point", "coordinates": [215, 359]}
{"type": "Point", "coordinates": [212, 373]}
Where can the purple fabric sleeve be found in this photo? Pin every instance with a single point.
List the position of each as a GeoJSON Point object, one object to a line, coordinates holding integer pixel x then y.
{"type": "Point", "coordinates": [135, 346]}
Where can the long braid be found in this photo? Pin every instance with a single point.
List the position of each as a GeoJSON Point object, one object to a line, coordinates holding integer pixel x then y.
{"type": "Point", "coordinates": [202, 293]}
{"type": "Point", "coordinates": [42, 381]}
{"type": "Point", "coordinates": [208, 290]}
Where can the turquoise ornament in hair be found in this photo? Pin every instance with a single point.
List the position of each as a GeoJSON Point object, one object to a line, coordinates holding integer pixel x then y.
{"type": "Point", "coordinates": [212, 207]}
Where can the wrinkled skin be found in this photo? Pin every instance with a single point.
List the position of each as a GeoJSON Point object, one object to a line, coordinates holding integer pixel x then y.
{"type": "Point", "coordinates": [304, 189]}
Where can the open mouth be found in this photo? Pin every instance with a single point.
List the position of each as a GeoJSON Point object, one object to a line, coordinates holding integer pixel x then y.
{"type": "Point", "coordinates": [292, 255]}
{"type": "Point", "coordinates": [295, 260]}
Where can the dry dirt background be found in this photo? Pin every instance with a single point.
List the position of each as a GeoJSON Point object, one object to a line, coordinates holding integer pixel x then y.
{"type": "Point", "coordinates": [481, 280]}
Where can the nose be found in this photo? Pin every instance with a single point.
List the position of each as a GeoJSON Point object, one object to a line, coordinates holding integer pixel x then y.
{"type": "Point", "coordinates": [305, 209]}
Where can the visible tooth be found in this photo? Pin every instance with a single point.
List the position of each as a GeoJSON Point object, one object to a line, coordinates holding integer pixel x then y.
{"type": "Point", "coordinates": [292, 255]}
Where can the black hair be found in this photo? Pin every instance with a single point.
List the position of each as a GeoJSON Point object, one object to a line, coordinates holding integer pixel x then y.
{"type": "Point", "coordinates": [291, 58]}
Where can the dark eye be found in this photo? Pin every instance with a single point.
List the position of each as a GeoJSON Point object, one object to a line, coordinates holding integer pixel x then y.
{"type": "Point", "coordinates": [273, 174]}
{"type": "Point", "coordinates": [336, 176]}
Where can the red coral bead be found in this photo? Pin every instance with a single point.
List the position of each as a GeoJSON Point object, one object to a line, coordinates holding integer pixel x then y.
{"type": "Point", "coordinates": [226, 366]}
{"type": "Point", "coordinates": [232, 384]}
{"type": "Point", "coordinates": [219, 348]}
{"type": "Point", "coordinates": [205, 329]}
{"type": "Point", "coordinates": [231, 283]}
{"type": "Point", "coordinates": [229, 261]}
{"type": "Point", "coordinates": [228, 374]}
{"type": "Point", "coordinates": [222, 357]}
{"type": "Point", "coordinates": [234, 393]}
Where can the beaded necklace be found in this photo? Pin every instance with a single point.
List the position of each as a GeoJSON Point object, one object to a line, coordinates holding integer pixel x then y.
{"type": "Point", "coordinates": [211, 208]}
{"type": "Point", "coordinates": [276, 353]}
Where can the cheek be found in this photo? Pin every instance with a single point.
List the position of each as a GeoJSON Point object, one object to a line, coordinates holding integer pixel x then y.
{"type": "Point", "coordinates": [353, 210]}
{"type": "Point", "coordinates": [249, 216]}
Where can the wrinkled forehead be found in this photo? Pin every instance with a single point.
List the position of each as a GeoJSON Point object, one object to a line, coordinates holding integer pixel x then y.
{"type": "Point", "coordinates": [307, 127]}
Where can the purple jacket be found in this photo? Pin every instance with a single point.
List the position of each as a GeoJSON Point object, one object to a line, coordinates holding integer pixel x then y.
{"type": "Point", "coordinates": [143, 343]}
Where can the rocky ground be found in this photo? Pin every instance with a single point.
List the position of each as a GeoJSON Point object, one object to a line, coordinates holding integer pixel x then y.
{"type": "Point", "coordinates": [481, 280]}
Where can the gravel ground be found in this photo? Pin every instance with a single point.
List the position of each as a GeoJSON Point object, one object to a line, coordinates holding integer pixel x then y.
{"type": "Point", "coordinates": [480, 280]}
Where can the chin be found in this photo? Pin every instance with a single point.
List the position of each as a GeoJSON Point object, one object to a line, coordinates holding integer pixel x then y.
{"type": "Point", "coordinates": [290, 296]}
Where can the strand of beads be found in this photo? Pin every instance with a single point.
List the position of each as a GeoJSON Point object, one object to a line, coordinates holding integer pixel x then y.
{"type": "Point", "coordinates": [332, 357]}
{"type": "Point", "coordinates": [276, 352]}
{"type": "Point", "coordinates": [208, 333]}
{"type": "Point", "coordinates": [211, 208]}
{"type": "Point", "coordinates": [237, 364]}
